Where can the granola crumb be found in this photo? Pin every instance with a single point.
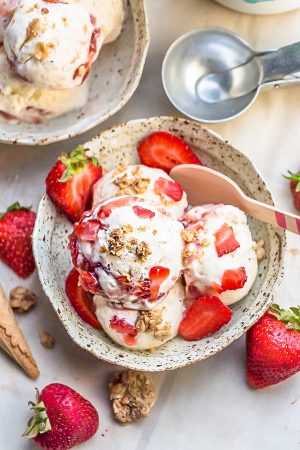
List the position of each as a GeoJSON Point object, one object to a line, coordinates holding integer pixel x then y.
{"type": "Point", "coordinates": [116, 242]}
{"type": "Point", "coordinates": [42, 50]}
{"type": "Point", "coordinates": [151, 322]}
{"type": "Point", "coordinates": [187, 236]}
{"type": "Point", "coordinates": [127, 228]}
{"type": "Point", "coordinates": [259, 249]}
{"type": "Point", "coordinates": [136, 185]}
{"type": "Point", "coordinates": [133, 394]}
{"type": "Point", "coordinates": [154, 232]}
{"type": "Point", "coordinates": [21, 299]}
{"type": "Point", "coordinates": [46, 340]}
{"type": "Point", "coordinates": [143, 250]}
{"type": "Point", "coordinates": [142, 229]}
{"type": "Point", "coordinates": [188, 252]}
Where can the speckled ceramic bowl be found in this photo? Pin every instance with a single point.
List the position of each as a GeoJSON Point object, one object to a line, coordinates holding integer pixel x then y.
{"type": "Point", "coordinates": [53, 259]}
{"type": "Point", "coordinates": [114, 78]}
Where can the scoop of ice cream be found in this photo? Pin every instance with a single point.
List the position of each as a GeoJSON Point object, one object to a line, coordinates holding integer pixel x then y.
{"type": "Point", "coordinates": [142, 330]}
{"type": "Point", "coordinates": [142, 181]}
{"type": "Point", "coordinates": [109, 15]}
{"type": "Point", "coordinates": [23, 101]}
{"type": "Point", "coordinates": [219, 256]}
{"type": "Point", "coordinates": [52, 44]}
{"type": "Point", "coordinates": [129, 251]}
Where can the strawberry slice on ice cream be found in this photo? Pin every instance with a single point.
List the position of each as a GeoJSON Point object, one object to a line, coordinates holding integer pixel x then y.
{"type": "Point", "coordinates": [169, 188]}
{"type": "Point", "coordinates": [206, 316]}
{"type": "Point", "coordinates": [164, 151]}
{"type": "Point", "coordinates": [157, 276]}
{"type": "Point", "coordinates": [225, 240]}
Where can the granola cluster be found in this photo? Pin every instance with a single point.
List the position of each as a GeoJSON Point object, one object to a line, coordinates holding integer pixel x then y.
{"type": "Point", "coordinates": [151, 322]}
{"type": "Point", "coordinates": [117, 243]}
{"type": "Point", "coordinates": [136, 184]}
{"type": "Point", "coordinates": [259, 248]}
{"type": "Point", "coordinates": [133, 395]}
{"type": "Point", "coordinates": [21, 299]}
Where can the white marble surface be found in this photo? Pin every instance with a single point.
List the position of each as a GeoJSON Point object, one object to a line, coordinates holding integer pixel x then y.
{"type": "Point", "coordinates": [207, 405]}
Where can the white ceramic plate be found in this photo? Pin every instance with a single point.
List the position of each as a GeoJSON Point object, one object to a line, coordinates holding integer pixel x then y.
{"type": "Point", "coordinates": [50, 241]}
{"type": "Point", "coordinates": [114, 78]}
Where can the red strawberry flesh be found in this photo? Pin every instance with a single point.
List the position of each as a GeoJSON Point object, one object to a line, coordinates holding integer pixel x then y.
{"type": "Point", "coordinates": [273, 347]}
{"type": "Point", "coordinates": [81, 300]}
{"type": "Point", "coordinates": [16, 228]}
{"type": "Point", "coordinates": [70, 181]}
{"type": "Point", "coordinates": [234, 279]}
{"type": "Point", "coordinates": [164, 151]}
{"type": "Point", "coordinates": [106, 210]}
{"type": "Point", "coordinates": [143, 212]}
{"type": "Point", "coordinates": [122, 326]}
{"type": "Point", "coordinates": [169, 188]}
{"type": "Point", "coordinates": [225, 240]}
{"type": "Point", "coordinates": [69, 418]}
{"type": "Point", "coordinates": [206, 316]}
{"type": "Point", "coordinates": [88, 231]}
{"type": "Point", "coordinates": [157, 276]}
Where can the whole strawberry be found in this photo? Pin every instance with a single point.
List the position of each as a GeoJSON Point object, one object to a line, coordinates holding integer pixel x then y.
{"type": "Point", "coordinates": [16, 228]}
{"type": "Point", "coordinates": [295, 187]}
{"type": "Point", "coordinates": [273, 347]}
{"type": "Point", "coordinates": [62, 418]}
{"type": "Point", "coordinates": [70, 181]}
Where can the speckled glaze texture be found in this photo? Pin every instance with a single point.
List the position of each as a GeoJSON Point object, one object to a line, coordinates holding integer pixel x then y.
{"type": "Point", "coordinates": [113, 79]}
{"type": "Point", "coordinates": [53, 260]}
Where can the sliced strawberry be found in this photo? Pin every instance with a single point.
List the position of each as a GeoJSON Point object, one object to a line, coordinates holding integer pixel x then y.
{"type": "Point", "coordinates": [225, 240]}
{"type": "Point", "coordinates": [106, 210]}
{"type": "Point", "coordinates": [70, 181]}
{"type": "Point", "coordinates": [88, 231]}
{"type": "Point", "coordinates": [81, 301]}
{"type": "Point", "coordinates": [143, 212]}
{"type": "Point", "coordinates": [129, 339]}
{"type": "Point", "coordinates": [169, 188]}
{"type": "Point", "coordinates": [88, 282]}
{"type": "Point", "coordinates": [206, 316]}
{"type": "Point", "coordinates": [157, 276]}
{"type": "Point", "coordinates": [164, 151]}
{"type": "Point", "coordinates": [234, 279]}
{"type": "Point", "coordinates": [122, 326]}
{"type": "Point", "coordinates": [16, 228]}
{"type": "Point", "coordinates": [73, 247]}
{"type": "Point", "coordinates": [217, 288]}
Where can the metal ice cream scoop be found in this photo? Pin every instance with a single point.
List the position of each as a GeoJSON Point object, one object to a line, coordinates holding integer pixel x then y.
{"type": "Point", "coordinates": [207, 65]}
{"type": "Point", "coordinates": [266, 67]}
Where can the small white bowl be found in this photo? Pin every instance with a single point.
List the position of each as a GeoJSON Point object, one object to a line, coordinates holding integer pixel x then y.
{"type": "Point", "coordinates": [50, 242]}
{"type": "Point", "coordinates": [261, 6]}
{"type": "Point", "coordinates": [113, 80]}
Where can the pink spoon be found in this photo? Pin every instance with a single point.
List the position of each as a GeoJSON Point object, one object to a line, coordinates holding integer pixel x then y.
{"type": "Point", "coordinates": [205, 185]}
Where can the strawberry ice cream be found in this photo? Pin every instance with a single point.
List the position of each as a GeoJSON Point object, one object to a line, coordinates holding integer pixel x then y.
{"type": "Point", "coordinates": [129, 251]}
{"type": "Point", "coordinates": [142, 181]}
{"type": "Point", "coordinates": [109, 15]}
{"type": "Point", "coordinates": [23, 101]}
{"type": "Point", "coordinates": [142, 330]}
{"type": "Point", "coordinates": [219, 257]}
{"type": "Point", "coordinates": [52, 44]}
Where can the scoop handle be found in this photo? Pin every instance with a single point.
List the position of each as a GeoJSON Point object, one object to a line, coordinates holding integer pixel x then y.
{"type": "Point", "coordinates": [272, 215]}
{"type": "Point", "coordinates": [279, 63]}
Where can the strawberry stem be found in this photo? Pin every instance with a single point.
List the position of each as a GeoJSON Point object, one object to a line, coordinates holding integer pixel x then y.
{"type": "Point", "coordinates": [75, 162]}
{"type": "Point", "coordinates": [15, 207]}
{"type": "Point", "coordinates": [294, 177]}
{"type": "Point", "coordinates": [290, 317]}
{"type": "Point", "coordinates": [40, 422]}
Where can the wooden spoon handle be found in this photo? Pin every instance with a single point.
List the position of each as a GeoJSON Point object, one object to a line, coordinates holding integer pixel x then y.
{"type": "Point", "coordinates": [272, 215]}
